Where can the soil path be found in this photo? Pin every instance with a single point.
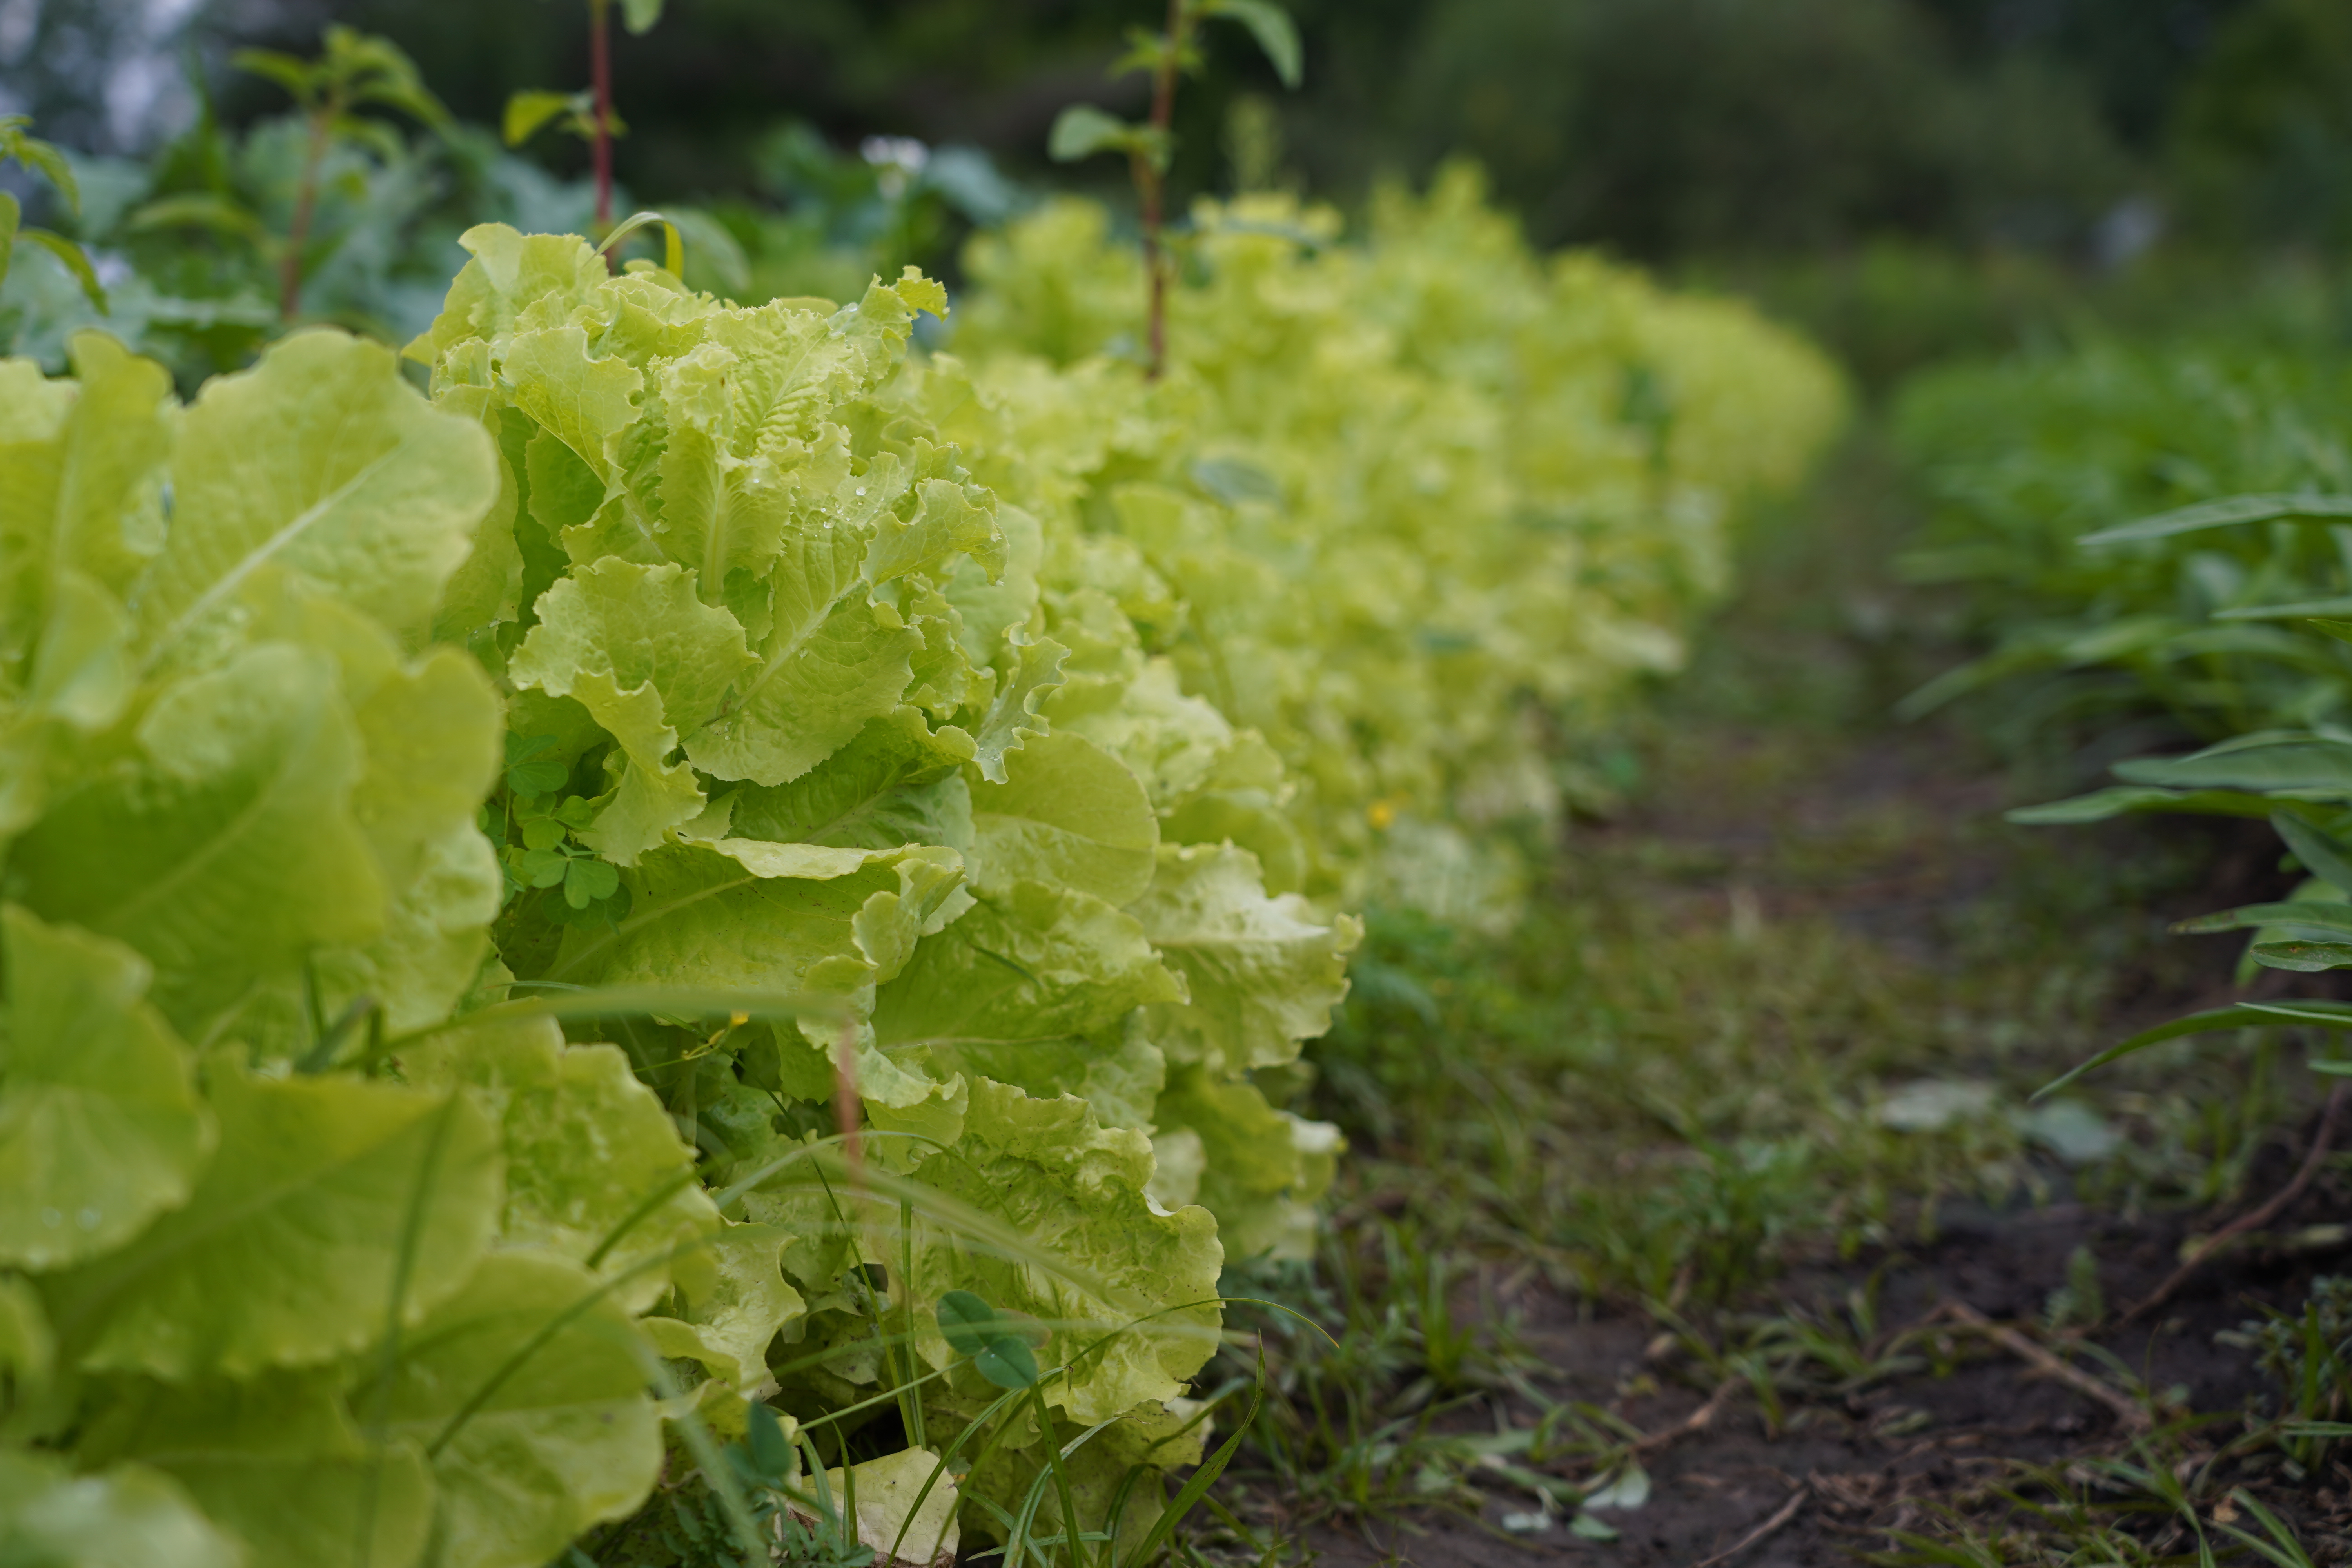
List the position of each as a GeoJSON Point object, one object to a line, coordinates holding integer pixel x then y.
{"type": "Point", "coordinates": [1773, 760]}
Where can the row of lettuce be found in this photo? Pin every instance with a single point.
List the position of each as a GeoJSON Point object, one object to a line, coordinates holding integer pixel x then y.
{"type": "Point", "coordinates": [603, 896]}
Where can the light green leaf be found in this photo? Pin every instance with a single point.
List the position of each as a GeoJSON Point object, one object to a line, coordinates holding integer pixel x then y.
{"type": "Point", "coordinates": [584, 401]}
{"type": "Point", "coordinates": [833, 660]}
{"type": "Point", "coordinates": [508, 271]}
{"type": "Point", "coordinates": [128, 1517]}
{"type": "Point", "coordinates": [639, 15]}
{"type": "Point", "coordinates": [772, 917]}
{"type": "Point", "coordinates": [277, 1461]}
{"type": "Point", "coordinates": [81, 666]}
{"type": "Point", "coordinates": [83, 492]}
{"type": "Point", "coordinates": [100, 1125]}
{"type": "Point", "coordinates": [227, 851]}
{"type": "Point", "coordinates": [639, 626]}
{"type": "Point", "coordinates": [486, 590]}
{"type": "Point", "coordinates": [649, 659]}
{"type": "Point", "coordinates": [896, 783]}
{"type": "Point", "coordinates": [319, 461]}
{"type": "Point", "coordinates": [1264, 1169]}
{"type": "Point", "coordinates": [1177, 744]}
{"type": "Point", "coordinates": [722, 511]}
{"type": "Point", "coordinates": [736, 1299]}
{"type": "Point", "coordinates": [1121, 1079]}
{"type": "Point", "coordinates": [587, 1147]}
{"type": "Point", "coordinates": [1081, 130]}
{"type": "Point", "coordinates": [1074, 1190]}
{"type": "Point", "coordinates": [81, 473]}
{"type": "Point", "coordinates": [431, 735]}
{"type": "Point", "coordinates": [947, 518]}
{"type": "Point", "coordinates": [1012, 716]}
{"type": "Point", "coordinates": [532, 1410]}
{"type": "Point", "coordinates": [527, 110]}
{"type": "Point", "coordinates": [900, 1534]}
{"type": "Point", "coordinates": [1035, 963]}
{"type": "Point", "coordinates": [1068, 812]}
{"type": "Point", "coordinates": [1261, 973]}
{"type": "Point", "coordinates": [434, 742]}
{"type": "Point", "coordinates": [286, 1254]}
{"type": "Point", "coordinates": [988, 608]}
{"type": "Point", "coordinates": [434, 937]}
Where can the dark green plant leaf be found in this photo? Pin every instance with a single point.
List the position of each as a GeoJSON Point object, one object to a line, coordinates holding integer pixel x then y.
{"type": "Point", "coordinates": [2226, 512]}
{"type": "Point", "coordinates": [585, 881]}
{"type": "Point", "coordinates": [2299, 765]}
{"type": "Point", "coordinates": [2121, 800]}
{"type": "Point", "coordinates": [1007, 1362]}
{"type": "Point", "coordinates": [1275, 32]}
{"type": "Point", "coordinates": [2322, 854]}
{"type": "Point", "coordinates": [2310, 914]}
{"type": "Point", "coordinates": [2194, 1023]}
{"type": "Point", "coordinates": [2302, 957]}
{"type": "Point", "coordinates": [966, 1323]}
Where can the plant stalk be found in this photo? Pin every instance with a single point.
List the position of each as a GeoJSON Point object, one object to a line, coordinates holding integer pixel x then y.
{"type": "Point", "coordinates": [1151, 183]}
{"type": "Point", "coordinates": [306, 208]}
{"type": "Point", "coordinates": [600, 81]}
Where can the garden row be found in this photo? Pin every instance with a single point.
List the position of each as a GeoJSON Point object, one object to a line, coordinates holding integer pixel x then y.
{"type": "Point", "coordinates": [720, 881]}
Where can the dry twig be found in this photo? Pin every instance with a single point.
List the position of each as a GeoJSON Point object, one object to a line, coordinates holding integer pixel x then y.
{"type": "Point", "coordinates": [2127, 1410]}
{"type": "Point", "coordinates": [1697, 1420]}
{"type": "Point", "coordinates": [1788, 1511]}
{"type": "Point", "coordinates": [2257, 1218]}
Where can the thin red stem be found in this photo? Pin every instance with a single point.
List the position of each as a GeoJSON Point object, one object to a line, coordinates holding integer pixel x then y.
{"type": "Point", "coordinates": [1152, 184]}
{"type": "Point", "coordinates": [849, 1105]}
{"type": "Point", "coordinates": [306, 208]}
{"type": "Point", "coordinates": [599, 81]}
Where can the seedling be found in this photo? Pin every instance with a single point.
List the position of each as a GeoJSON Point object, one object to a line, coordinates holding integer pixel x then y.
{"type": "Point", "coordinates": [34, 153]}
{"type": "Point", "coordinates": [355, 71]}
{"type": "Point", "coordinates": [1082, 130]}
{"type": "Point", "coordinates": [587, 114]}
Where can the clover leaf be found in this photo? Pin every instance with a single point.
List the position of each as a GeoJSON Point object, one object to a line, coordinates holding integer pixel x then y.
{"type": "Point", "coordinates": [585, 881]}
{"type": "Point", "coordinates": [998, 1343]}
{"type": "Point", "coordinates": [529, 771]}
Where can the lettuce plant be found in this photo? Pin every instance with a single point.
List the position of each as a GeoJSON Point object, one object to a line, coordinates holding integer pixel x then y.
{"type": "Point", "coordinates": [293, 1272]}
{"type": "Point", "coordinates": [1411, 512]}
{"type": "Point", "coordinates": [777, 667]}
{"type": "Point", "coordinates": [1082, 130]}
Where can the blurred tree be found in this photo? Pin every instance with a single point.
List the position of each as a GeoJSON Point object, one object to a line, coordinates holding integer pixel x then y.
{"type": "Point", "coordinates": [1659, 126]}
{"type": "Point", "coordinates": [1671, 126]}
{"type": "Point", "coordinates": [2264, 137]}
{"type": "Point", "coordinates": [2132, 56]}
